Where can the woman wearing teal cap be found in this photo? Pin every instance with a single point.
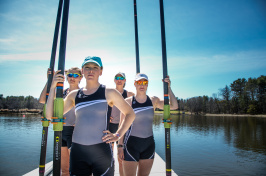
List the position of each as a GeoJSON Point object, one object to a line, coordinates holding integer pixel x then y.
{"type": "Point", "coordinates": [137, 147]}
{"type": "Point", "coordinates": [91, 150]}
{"type": "Point", "coordinates": [73, 78]}
{"type": "Point", "coordinates": [120, 82]}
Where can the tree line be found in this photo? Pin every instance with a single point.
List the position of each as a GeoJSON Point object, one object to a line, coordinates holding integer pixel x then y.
{"type": "Point", "coordinates": [19, 102]}
{"type": "Point", "coordinates": [241, 97]}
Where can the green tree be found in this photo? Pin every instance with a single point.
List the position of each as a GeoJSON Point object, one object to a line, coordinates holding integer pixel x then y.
{"type": "Point", "coordinates": [261, 94]}
{"type": "Point", "coordinates": [226, 95]}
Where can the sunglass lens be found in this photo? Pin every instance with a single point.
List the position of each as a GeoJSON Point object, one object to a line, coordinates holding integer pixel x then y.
{"type": "Point", "coordinates": [119, 78]}
{"type": "Point", "coordinates": [70, 75]}
{"type": "Point", "coordinates": [75, 75]}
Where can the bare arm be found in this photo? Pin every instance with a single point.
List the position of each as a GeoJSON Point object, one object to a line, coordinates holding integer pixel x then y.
{"type": "Point", "coordinates": [121, 140]}
{"type": "Point", "coordinates": [122, 118]}
{"type": "Point", "coordinates": [157, 103]}
{"type": "Point", "coordinates": [42, 97]}
{"type": "Point", "coordinates": [113, 97]}
{"type": "Point", "coordinates": [130, 94]}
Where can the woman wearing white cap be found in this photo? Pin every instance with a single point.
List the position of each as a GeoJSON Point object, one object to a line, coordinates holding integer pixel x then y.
{"type": "Point", "coordinates": [91, 151]}
{"type": "Point", "coordinates": [120, 82]}
{"type": "Point", "coordinates": [137, 147]}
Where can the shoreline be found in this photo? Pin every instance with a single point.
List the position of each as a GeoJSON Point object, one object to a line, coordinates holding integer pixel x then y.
{"type": "Point", "coordinates": [215, 115]}
{"type": "Point", "coordinates": [236, 115]}
{"type": "Point", "coordinates": [20, 111]}
{"type": "Point", "coordinates": [39, 111]}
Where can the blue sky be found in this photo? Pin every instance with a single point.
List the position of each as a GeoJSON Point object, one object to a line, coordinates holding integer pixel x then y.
{"type": "Point", "coordinates": [209, 43]}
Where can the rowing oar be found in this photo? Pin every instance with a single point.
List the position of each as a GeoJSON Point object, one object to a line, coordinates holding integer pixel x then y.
{"type": "Point", "coordinates": [136, 36]}
{"type": "Point", "coordinates": [166, 112]}
{"type": "Point", "coordinates": [58, 119]}
{"type": "Point", "coordinates": [45, 122]}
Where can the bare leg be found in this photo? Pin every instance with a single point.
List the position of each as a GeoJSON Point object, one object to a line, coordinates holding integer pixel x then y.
{"type": "Point", "coordinates": [130, 168]}
{"type": "Point", "coordinates": [121, 171]}
{"type": "Point", "coordinates": [145, 167]}
{"type": "Point", "coordinates": [65, 161]}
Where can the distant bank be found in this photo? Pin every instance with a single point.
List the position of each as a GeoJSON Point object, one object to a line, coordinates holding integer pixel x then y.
{"type": "Point", "coordinates": [39, 111]}
{"type": "Point", "coordinates": [21, 111]}
{"type": "Point", "coordinates": [208, 114]}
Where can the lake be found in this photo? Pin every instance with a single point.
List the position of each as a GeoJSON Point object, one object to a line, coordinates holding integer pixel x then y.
{"type": "Point", "coordinates": [200, 145]}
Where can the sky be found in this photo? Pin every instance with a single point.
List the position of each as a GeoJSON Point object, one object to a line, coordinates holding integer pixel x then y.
{"type": "Point", "coordinates": [209, 43]}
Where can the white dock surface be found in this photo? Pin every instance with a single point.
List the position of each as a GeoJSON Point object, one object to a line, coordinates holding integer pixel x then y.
{"type": "Point", "coordinates": [158, 168]}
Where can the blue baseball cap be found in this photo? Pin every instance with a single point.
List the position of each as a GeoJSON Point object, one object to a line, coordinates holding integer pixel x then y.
{"type": "Point", "coordinates": [92, 59]}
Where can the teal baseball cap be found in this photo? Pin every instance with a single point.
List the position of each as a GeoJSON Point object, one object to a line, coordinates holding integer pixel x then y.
{"type": "Point", "coordinates": [93, 59]}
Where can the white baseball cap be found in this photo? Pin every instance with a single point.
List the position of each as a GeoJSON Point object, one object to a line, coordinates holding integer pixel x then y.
{"type": "Point", "coordinates": [140, 76]}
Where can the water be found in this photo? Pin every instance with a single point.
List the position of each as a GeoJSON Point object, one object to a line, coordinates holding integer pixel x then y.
{"type": "Point", "coordinates": [200, 145]}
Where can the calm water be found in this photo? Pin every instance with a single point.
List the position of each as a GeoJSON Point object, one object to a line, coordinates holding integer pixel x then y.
{"type": "Point", "coordinates": [213, 146]}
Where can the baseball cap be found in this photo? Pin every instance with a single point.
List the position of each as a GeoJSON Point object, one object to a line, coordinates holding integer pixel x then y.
{"type": "Point", "coordinates": [140, 76]}
{"type": "Point", "coordinates": [93, 59]}
{"type": "Point", "coordinates": [121, 73]}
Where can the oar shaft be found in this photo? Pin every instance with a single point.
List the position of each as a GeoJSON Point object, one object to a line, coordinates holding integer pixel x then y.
{"type": "Point", "coordinates": [62, 49]}
{"type": "Point", "coordinates": [167, 125]}
{"type": "Point", "coordinates": [136, 36]}
{"type": "Point", "coordinates": [45, 122]}
{"type": "Point", "coordinates": [55, 41]}
{"type": "Point", "coordinates": [43, 151]}
{"type": "Point", "coordinates": [58, 102]}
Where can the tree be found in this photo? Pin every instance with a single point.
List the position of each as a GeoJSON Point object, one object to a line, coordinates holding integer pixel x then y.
{"type": "Point", "coordinates": [261, 81]}
{"type": "Point", "coordinates": [226, 95]}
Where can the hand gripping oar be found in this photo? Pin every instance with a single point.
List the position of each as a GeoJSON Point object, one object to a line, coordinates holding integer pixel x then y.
{"type": "Point", "coordinates": [58, 119]}
{"type": "Point", "coordinates": [136, 36]}
{"type": "Point", "coordinates": [45, 122]}
{"type": "Point", "coordinates": [166, 114]}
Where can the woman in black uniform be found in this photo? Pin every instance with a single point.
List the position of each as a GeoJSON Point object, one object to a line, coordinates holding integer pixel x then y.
{"type": "Point", "coordinates": [120, 82]}
{"type": "Point", "coordinates": [137, 147]}
{"type": "Point", "coordinates": [91, 151]}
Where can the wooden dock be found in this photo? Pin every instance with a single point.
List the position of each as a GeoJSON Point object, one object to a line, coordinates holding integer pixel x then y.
{"type": "Point", "coordinates": [158, 168]}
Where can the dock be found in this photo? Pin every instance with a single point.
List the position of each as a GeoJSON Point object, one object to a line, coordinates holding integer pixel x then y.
{"type": "Point", "coordinates": [158, 168]}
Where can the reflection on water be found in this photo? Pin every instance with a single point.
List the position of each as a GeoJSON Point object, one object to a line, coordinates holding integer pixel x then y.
{"type": "Point", "coordinates": [199, 145]}
{"type": "Point", "coordinates": [20, 143]}
{"type": "Point", "coordinates": [215, 145]}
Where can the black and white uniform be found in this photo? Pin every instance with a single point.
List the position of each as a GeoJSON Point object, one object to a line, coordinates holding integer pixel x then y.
{"type": "Point", "coordinates": [139, 142]}
{"type": "Point", "coordinates": [68, 127]}
{"type": "Point", "coordinates": [89, 154]}
{"type": "Point", "coordinates": [113, 126]}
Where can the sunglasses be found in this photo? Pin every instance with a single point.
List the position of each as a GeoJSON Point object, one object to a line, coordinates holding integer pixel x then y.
{"type": "Point", "coordinates": [75, 75]}
{"type": "Point", "coordinates": [142, 83]}
{"type": "Point", "coordinates": [119, 78]}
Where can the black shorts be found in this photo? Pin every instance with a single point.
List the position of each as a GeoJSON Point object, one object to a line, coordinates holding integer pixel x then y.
{"type": "Point", "coordinates": [88, 159]}
{"type": "Point", "coordinates": [139, 148]}
{"type": "Point", "coordinates": [67, 136]}
{"type": "Point", "coordinates": [113, 127]}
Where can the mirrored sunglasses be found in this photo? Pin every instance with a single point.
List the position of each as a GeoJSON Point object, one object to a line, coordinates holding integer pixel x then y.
{"type": "Point", "coordinates": [119, 78]}
{"type": "Point", "coordinates": [142, 83]}
{"type": "Point", "coordinates": [75, 75]}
